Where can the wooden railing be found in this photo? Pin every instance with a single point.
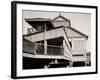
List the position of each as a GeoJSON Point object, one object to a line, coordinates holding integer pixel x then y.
{"type": "Point", "coordinates": [51, 50]}
{"type": "Point", "coordinates": [79, 51]}
{"type": "Point", "coordinates": [28, 46]}
{"type": "Point", "coordinates": [38, 49]}
{"type": "Point", "coordinates": [55, 50]}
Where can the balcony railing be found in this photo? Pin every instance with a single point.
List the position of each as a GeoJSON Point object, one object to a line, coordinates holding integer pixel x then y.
{"type": "Point", "coordinates": [79, 53]}
{"type": "Point", "coordinates": [28, 46]}
{"type": "Point", "coordinates": [55, 50]}
{"type": "Point", "coordinates": [51, 50]}
{"type": "Point", "coordinates": [38, 49]}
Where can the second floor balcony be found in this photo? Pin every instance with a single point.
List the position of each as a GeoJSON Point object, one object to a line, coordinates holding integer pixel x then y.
{"type": "Point", "coordinates": [38, 49]}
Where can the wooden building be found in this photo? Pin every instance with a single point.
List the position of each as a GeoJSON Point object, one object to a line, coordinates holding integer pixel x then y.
{"type": "Point", "coordinates": [53, 43]}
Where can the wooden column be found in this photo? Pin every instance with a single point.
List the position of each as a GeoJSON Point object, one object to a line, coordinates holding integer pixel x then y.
{"type": "Point", "coordinates": [71, 64]}
{"type": "Point", "coordinates": [45, 42]}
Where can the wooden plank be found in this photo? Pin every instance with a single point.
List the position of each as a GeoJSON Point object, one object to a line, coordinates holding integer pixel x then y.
{"type": "Point", "coordinates": [44, 56]}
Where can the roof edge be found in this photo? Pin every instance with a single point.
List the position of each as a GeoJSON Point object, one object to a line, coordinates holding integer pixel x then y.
{"type": "Point", "coordinates": [86, 36]}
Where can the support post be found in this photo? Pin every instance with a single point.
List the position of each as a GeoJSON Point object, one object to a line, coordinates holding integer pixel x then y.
{"type": "Point", "coordinates": [64, 47]}
{"type": "Point", "coordinates": [71, 64]}
{"type": "Point", "coordinates": [45, 47]}
{"type": "Point", "coordinates": [45, 42]}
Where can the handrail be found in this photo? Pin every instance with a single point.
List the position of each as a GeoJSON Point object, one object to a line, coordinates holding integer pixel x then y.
{"type": "Point", "coordinates": [65, 33]}
{"type": "Point", "coordinates": [79, 51]}
{"type": "Point", "coordinates": [68, 41]}
{"type": "Point", "coordinates": [50, 45]}
{"type": "Point", "coordinates": [51, 49]}
{"type": "Point", "coordinates": [68, 47]}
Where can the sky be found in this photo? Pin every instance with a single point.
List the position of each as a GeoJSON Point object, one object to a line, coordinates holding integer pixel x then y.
{"type": "Point", "coordinates": [79, 21]}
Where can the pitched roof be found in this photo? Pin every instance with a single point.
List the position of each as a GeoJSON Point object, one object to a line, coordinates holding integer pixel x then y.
{"type": "Point", "coordinates": [86, 36]}
{"type": "Point", "coordinates": [62, 18]}
{"type": "Point", "coordinates": [37, 19]}
{"type": "Point", "coordinates": [48, 19]}
{"type": "Point", "coordinates": [70, 25]}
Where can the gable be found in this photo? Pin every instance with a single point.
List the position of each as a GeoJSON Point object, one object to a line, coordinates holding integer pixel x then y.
{"type": "Point", "coordinates": [73, 33]}
{"type": "Point", "coordinates": [59, 19]}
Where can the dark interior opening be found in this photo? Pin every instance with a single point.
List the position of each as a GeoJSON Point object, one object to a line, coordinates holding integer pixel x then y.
{"type": "Point", "coordinates": [55, 41]}
{"type": "Point", "coordinates": [70, 43]}
{"type": "Point", "coordinates": [78, 64]}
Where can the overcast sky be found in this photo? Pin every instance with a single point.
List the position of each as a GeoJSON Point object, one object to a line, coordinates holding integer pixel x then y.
{"type": "Point", "coordinates": [79, 21]}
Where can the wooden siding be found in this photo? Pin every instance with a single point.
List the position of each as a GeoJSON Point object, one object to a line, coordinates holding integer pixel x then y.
{"type": "Point", "coordinates": [75, 59]}
{"type": "Point", "coordinates": [78, 42]}
{"type": "Point", "coordinates": [60, 23]}
{"type": "Point", "coordinates": [79, 45]}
